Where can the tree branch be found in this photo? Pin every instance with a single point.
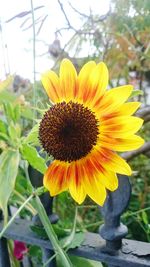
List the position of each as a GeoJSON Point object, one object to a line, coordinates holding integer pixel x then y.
{"type": "Point", "coordinates": [90, 17]}
{"type": "Point", "coordinates": [64, 13]}
{"type": "Point", "coordinates": [142, 150]}
{"type": "Point", "coordinates": [144, 113]}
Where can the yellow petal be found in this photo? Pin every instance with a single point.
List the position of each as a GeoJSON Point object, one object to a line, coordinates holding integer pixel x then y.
{"type": "Point", "coordinates": [83, 80]}
{"type": "Point", "coordinates": [95, 169]}
{"type": "Point", "coordinates": [68, 80]}
{"type": "Point", "coordinates": [113, 99]}
{"type": "Point", "coordinates": [121, 127]}
{"type": "Point", "coordinates": [75, 183]}
{"type": "Point", "coordinates": [105, 176]}
{"type": "Point", "coordinates": [50, 82]}
{"type": "Point", "coordinates": [113, 162]}
{"type": "Point", "coordinates": [94, 189]}
{"type": "Point", "coordinates": [126, 109]}
{"type": "Point", "coordinates": [109, 179]}
{"type": "Point", "coordinates": [129, 108]}
{"type": "Point", "coordinates": [55, 178]}
{"type": "Point", "coordinates": [121, 144]}
{"type": "Point", "coordinates": [98, 80]}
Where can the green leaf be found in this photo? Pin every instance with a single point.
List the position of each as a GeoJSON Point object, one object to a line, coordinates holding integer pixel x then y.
{"type": "Point", "coordinates": [4, 84]}
{"type": "Point", "coordinates": [18, 130]}
{"type": "Point", "coordinates": [136, 93]}
{"type": "Point", "coordinates": [31, 155]}
{"type": "Point", "coordinates": [27, 113]}
{"type": "Point", "coordinates": [3, 127]}
{"type": "Point", "coordinates": [21, 183]}
{"type": "Point", "coordinates": [17, 112]}
{"type": "Point", "coordinates": [60, 232]}
{"type": "Point", "coordinates": [145, 217]}
{"type": "Point", "coordinates": [14, 134]}
{"type": "Point", "coordinates": [40, 231]}
{"type": "Point", "coordinates": [4, 137]}
{"type": "Point", "coordinates": [12, 131]}
{"type": "Point", "coordinates": [76, 242]}
{"type": "Point", "coordinates": [32, 137]}
{"type": "Point", "coordinates": [81, 262]}
{"type": "Point", "coordinates": [6, 96]}
{"type": "Point", "coordinates": [9, 162]}
{"type": "Point", "coordinates": [35, 253]}
{"type": "Point", "coordinates": [9, 111]}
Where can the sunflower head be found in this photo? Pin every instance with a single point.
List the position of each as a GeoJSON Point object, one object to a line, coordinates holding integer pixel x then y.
{"type": "Point", "coordinates": [84, 129]}
{"type": "Point", "coordinates": [68, 131]}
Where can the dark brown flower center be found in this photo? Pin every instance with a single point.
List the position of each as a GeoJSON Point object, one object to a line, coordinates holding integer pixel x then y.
{"type": "Point", "coordinates": [68, 131]}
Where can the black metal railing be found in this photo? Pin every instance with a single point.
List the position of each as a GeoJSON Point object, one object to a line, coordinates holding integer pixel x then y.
{"type": "Point", "coordinates": [109, 246]}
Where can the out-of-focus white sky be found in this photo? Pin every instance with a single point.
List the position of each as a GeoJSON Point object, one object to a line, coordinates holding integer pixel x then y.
{"type": "Point", "coordinates": [19, 42]}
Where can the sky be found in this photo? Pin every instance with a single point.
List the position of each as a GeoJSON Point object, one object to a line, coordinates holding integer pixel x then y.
{"type": "Point", "coordinates": [16, 43]}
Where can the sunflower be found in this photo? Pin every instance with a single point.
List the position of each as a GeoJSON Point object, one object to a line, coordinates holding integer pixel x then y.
{"type": "Point", "coordinates": [84, 128]}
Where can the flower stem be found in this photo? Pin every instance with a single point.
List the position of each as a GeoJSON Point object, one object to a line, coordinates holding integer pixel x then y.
{"type": "Point", "coordinates": [72, 235]}
{"type": "Point", "coordinates": [49, 260]}
{"type": "Point", "coordinates": [15, 263]}
{"type": "Point", "coordinates": [14, 216]}
{"type": "Point", "coordinates": [28, 206]}
{"type": "Point", "coordinates": [34, 59]}
{"type": "Point", "coordinates": [51, 234]}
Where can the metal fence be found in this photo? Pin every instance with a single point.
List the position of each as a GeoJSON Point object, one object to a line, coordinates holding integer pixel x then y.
{"type": "Point", "coordinates": [108, 246]}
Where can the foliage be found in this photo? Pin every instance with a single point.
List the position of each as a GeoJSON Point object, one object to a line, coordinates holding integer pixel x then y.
{"type": "Point", "coordinates": [80, 262]}
{"type": "Point", "coordinates": [121, 39]}
{"type": "Point", "coordinates": [9, 161]}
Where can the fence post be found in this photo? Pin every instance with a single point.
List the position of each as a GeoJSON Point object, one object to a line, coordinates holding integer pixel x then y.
{"type": "Point", "coordinates": [4, 255]}
{"type": "Point", "coordinates": [37, 180]}
{"type": "Point", "coordinates": [113, 230]}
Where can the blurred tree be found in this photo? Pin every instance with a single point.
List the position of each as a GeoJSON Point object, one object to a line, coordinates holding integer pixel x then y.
{"type": "Point", "coordinates": [121, 38]}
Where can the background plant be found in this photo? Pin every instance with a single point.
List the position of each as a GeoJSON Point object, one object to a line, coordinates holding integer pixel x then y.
{"type": "Point", "coordinates": [120, 38]}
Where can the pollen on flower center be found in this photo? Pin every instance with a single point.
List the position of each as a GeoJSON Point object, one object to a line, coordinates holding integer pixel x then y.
{"type": "Point", "coordinates": [68, 131]}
